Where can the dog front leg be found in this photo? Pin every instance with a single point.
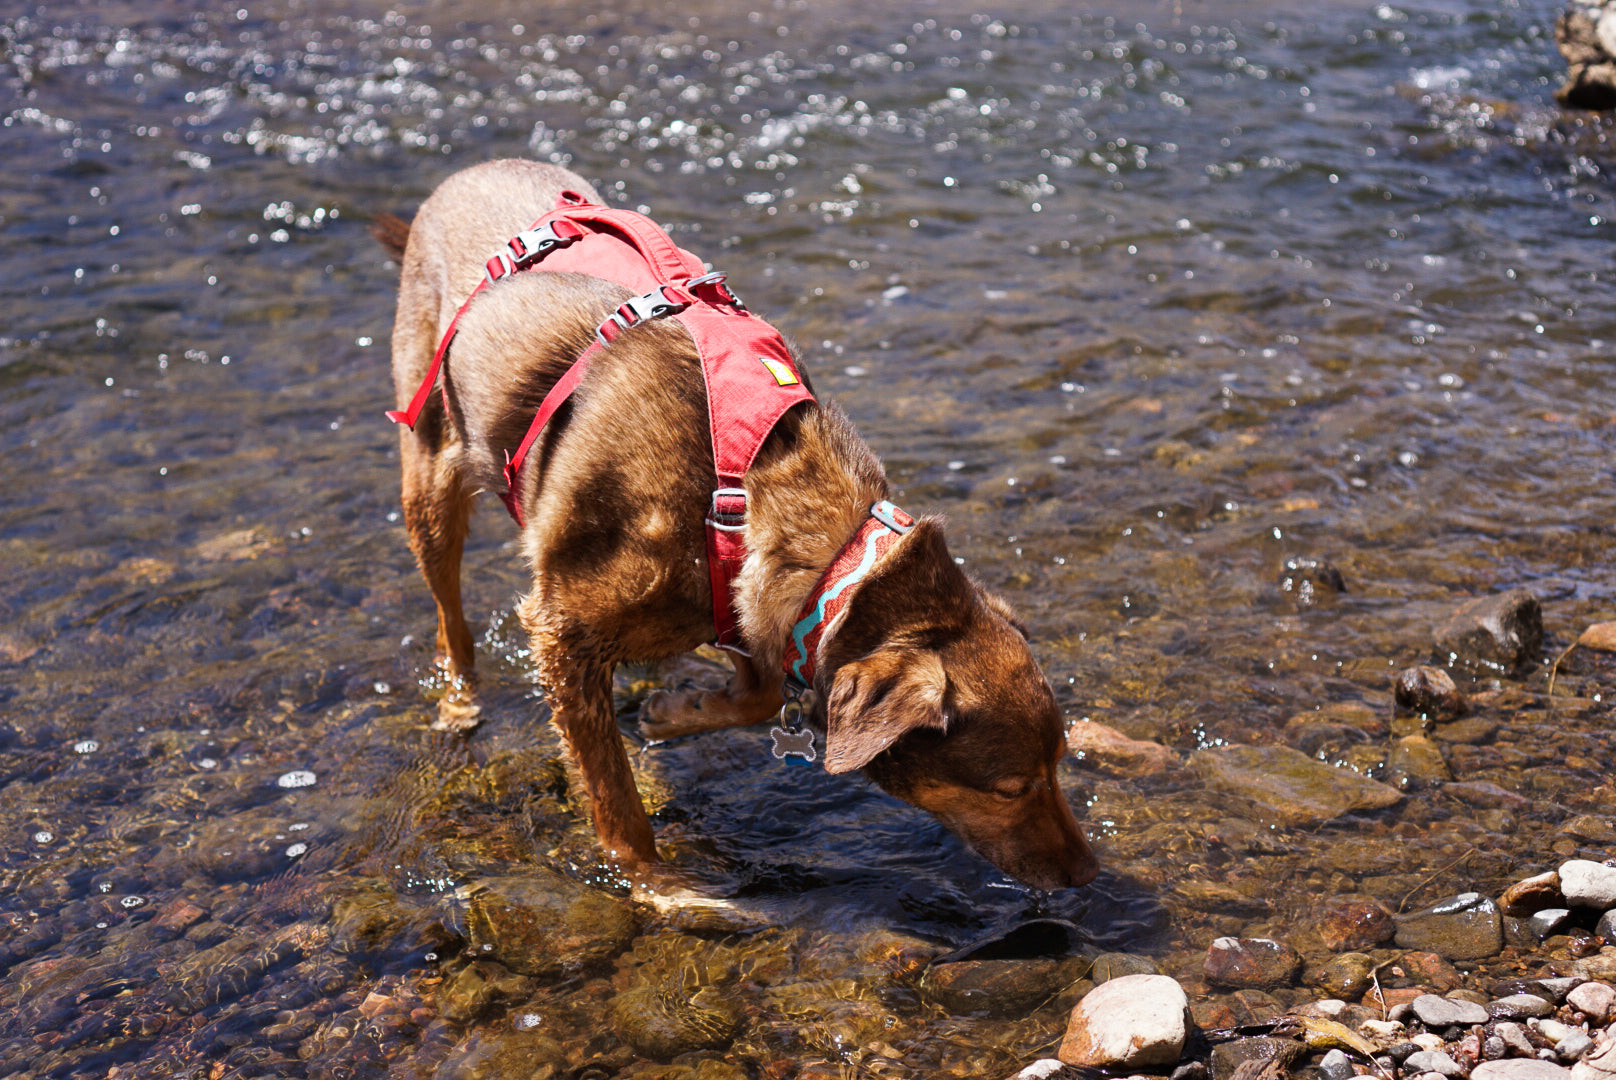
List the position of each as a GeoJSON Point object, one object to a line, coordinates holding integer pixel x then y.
{"type": "Point", "coordinates": [749, 699]}
{"type": "Point", "coordinates": [579, 690]}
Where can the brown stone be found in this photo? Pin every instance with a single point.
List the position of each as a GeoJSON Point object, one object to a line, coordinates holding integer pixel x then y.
{"type": "Point", "coordinates": [1429, 969]}
{"type": "Point", "coordinates": [1352, 924]}
{"type": "Point", "coordinates": [1430, 691]}
{"type": "Point", "coordinates": [1534, 894]}
{"type": "Point", "coordinates": [1256, 963]}
{"type": "Point", "coordinates": [1109, 751]}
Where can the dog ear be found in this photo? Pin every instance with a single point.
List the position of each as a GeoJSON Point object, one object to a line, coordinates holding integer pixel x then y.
{"type": "Point", "coordinates": [876, 700]}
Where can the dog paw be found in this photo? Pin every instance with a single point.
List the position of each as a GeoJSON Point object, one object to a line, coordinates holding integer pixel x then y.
{"type": "Point", "coordinates": [457, 714]}
{"type": "Point", "coordinates": [666, 714]}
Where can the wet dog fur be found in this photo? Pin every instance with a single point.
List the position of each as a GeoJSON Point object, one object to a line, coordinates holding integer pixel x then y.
{"type": "Point", "coordinates": [926, 683]}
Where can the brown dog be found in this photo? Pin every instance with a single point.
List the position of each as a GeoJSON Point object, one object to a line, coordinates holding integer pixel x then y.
{"type": "Point", "coordinates": [925, 682]}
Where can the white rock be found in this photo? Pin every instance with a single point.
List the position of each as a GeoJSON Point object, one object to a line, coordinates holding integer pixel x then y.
{"type": "Point", "coordinates": [1040, 1069]}
{"type": "Point", "coordinates": [1586, 883]}
{"type": "Point", "coordinates": [1383, 1029]}
{"type": "Point", "coordinates": [1552, 1030]}
{"type": "Point", "coordinates": [1137, 1020]}
{"type": "Point", "coordinates": [1596, 999]}
{"type": "Point", "coordinates": [1520, 1069]}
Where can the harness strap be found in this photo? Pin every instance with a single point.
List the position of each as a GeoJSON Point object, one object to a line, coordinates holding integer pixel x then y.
{"type": "Point", "coordinates": [836, 586]}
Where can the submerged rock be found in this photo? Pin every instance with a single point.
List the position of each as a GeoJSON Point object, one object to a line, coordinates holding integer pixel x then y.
{"type": "Point", "coordinates": [1466, 927]}
{"type": "Point", "coordinates": [1502, 632]}
{"type": "Point", "coordinates": [664, 1022]}
{"type": "Point", "coordinates": [1417, 762]}
{"type": "Point", "coordinates": [1430, 691]}
{"type": "Point", "coordinates": [1136, 1021]}
{"type": "Point", "coordinates": [541, 923]}
{"type": "Point", "coordinates": [1256, 963]}
{"type": "Point", "coordinates": [1109, 751]}
{"type": "Point", "coordinates": [1348, 976]}
{"type": "Point", "coordinates": [1244, 1056]}
{"type": "Point", "coordinates": [1350, 924]}
{"type": "Point", "coordinates": [1287, 786]}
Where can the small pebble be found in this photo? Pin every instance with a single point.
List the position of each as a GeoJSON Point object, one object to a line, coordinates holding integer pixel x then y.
{"type": "Point", "coordinates": [1573, 1046]}
{"type": "Point", "coordinates": [1427, 1061]}
{"type": "Point", "coordinates": [1513, 1036]}
{"type": "Point", "coordinates": [1336, 1065]}
{"type": "Point", "coordinates": [1553, 1030]}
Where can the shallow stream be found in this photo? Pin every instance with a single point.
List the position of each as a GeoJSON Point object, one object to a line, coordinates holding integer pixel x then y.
{"type": "Point", "coordinates": [1152, 301]}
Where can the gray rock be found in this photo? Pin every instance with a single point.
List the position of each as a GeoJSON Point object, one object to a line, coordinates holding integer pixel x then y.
{"type": "Point", "coordinates": [1548, 922]}
{"type": "Point", "coordinates": [1514, 1038]}
{"type": "Point", "coordinates": [1427, 1061]}
{"type": "Point", "coordinates": [1519, 1069]}
{"type": "Point", "coordinates": [1501, 633]}
{"type": "Point", "coordinates": [1134, 1021]}
{"type": "Point", "coordinates": [1606, 927]}
{"type": "Point", "coordinates": [1595, 1000]}
{"type": "Point", "coordinates": [1573, 1046]}
{"type": "Point", "coordinates": [1588, 884]}
{"type": "Point", "coordinates": [1041, 1069]}
{"type": "Point", "coordinates": [1336, 1065]}
{"type": "Point", "coordinates": [1520, 1007]}
{"type": "Point", "coordinates": [1285, 786]}
{"type": "Point", "coordinates": [1466, 927]}
{"type": "Point", "coordinates": [1556, 989]}
{"type": "Point", "coordinates": [1441, 1012]}
{"type": "Point", "coordinates": [1598, 1063]}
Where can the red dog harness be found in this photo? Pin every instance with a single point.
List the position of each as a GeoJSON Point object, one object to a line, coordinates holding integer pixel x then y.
{"type": "Point", "coordinates": [751, 378]}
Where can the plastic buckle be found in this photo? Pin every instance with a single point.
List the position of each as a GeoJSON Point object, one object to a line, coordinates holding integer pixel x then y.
{"type": "Point", "coordinates": [892, 517]}
{"type": "Point", "coordinates": [655, 304]}
{"type": "Point", "coordinates": [528, 247]}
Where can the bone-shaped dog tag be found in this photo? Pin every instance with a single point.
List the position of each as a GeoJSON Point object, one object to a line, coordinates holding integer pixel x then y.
{"type": "Point", "coordinates": [793, 744]}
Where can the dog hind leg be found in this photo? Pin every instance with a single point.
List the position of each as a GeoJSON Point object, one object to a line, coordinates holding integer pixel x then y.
{"type": "Point", "coordinates": [437, 513]}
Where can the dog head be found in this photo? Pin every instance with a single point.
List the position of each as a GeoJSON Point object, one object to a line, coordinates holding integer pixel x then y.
{"type": "Point", "coordinates": [929, 686]}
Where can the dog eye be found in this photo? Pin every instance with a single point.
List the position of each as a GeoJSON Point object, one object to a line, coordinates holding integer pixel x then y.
{"type": "Point", "coordinates": [1012, 787]}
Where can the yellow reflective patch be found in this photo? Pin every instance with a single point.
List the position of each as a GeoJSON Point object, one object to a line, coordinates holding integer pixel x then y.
{"type": "Point", "coordinates": [782, 374]}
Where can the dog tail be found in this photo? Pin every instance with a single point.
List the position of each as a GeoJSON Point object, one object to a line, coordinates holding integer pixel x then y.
{"type": "Point", "coordinates": [392, 233]}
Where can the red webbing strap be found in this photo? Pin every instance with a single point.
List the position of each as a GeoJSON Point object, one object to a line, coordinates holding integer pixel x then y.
{"type": "Point", "coordinates": [410, 414]}
{"type": "Point", "coordinates": [726, 554]}
{"type": "Point", "coordinates": [558, 394]}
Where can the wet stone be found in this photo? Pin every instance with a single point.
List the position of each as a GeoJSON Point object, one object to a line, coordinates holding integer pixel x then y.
{"type": "Point", "coordinates": [666, 1021]}
{"type": "Point", "coordinates": [1114, 965]}
{"type": "Point", "coordinates": [1251, 962]}
{"type": "Point", "coordinates": [1136, 1021]}
{"type": "Point", "coordinates": [1228, 1058]}
{"type": "Point", "coordinates": [1431, 970]}
{"type": "Point", "coordinates": [1556, 989]}
{"type": "Point", "coordinates": [1430, 691]}
{"type": "Point", "coordinates": [543, 924]}
{"type": "Point", "coordinates": [1441, 1012]}
{"type": "Point", "coordinates": [1588, 884]}
{"type": "Point", "coordinates": [1350, 924]}
{"type": "Point", "coordinates": [1531, 895]}
{"type": "Point", "coordinates": [1467, 927]}
{"type": "Point", "coordinates": [1345, 976]}
{"type": "Point", "coordinates": [1548, 922]}
{"type": "Point", "coordinates": [1111, 753]}
{"type": "Point", "coordinates": [1336, 1065]}
{"type": "Point", "coordinates": [1502, 632]}
{"type": "Point", "coordinates": [1287, 786]}
{"type": "Point", "coordinates": [476, 988]}
{"type": "Point", "coordinates": [997, 987]}
{"type": "Point", "coordinates": [1467, 731]}
{"type": "Point", "coordinates": [1520, 1007]}
{"type": "Point", "coordinates": [1417, 762]}
{"type": "Point", "coordinates": [500, 1053]}
{"type": "Point", "coordinates": [1486, 795]}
